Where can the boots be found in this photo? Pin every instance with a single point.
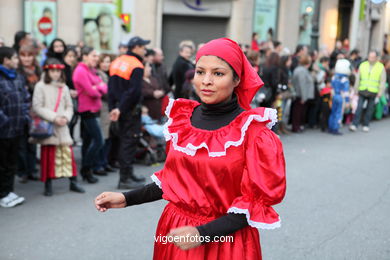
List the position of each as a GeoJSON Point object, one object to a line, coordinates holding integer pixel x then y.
{"type": "Point", "coordinates": [133, 177]}
{"type": "Point", "coordinates": [129, 184]}
{"type": "Point", "coordinates": [74, 186]}
{"type": "Point", "coordinates": [128, 180]}
{"type": "Point", "coordinates": [48, 188]}
{"type": "Point", "coordinates": [87, 175]}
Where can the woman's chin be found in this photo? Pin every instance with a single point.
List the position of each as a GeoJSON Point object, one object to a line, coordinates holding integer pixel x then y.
{"type": "Point", "coordinates": [208, 100]}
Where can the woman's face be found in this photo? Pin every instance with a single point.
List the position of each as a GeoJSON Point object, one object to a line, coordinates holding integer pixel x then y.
{"type": "Point", "coordinates": [70, 58]}
{"type": "Point", "coordinates": [27, 59]}
{"type": "Point", "coordinates": [213, 80]}
{"type": "Point", "coordinates": [105, 64]}
{"type": "Point", "coordinates": [55, 74]}
{"type": "Point", "coordinates": [105, 29]}
{"type": "Point", "coordinates": [147, 70]}
{"type": "Point", "coordinates": [91, 35]}
{"type": "Point", "coordinates": [92, 59]}
{"type": "Point", "coordinates": [58, 47]}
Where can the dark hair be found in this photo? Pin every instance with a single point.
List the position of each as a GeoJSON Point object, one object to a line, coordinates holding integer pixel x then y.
{"type": "Point", "coordinates": [87, 20]}
{"type": "Point", "coordinates": [276, 44]}
{"type": "Point", "coordinates": [46, 77]}
{"type": "Point", "coordinates": [52, 54]}
{"type": "Point", "coordinates": [6, 52]}
{"type": "Point", "coordinates": [86, 50]}
{"type": "Point", "coordinates": [283, 61]}
{"type": "Point", "coordinates": [355, 52]}
{"type": "Point", "coordinates": [105, 55]}
{"type": "Point", "coordinates": [150, 52]}
{"type": "Point", "coordinates": [254, 34]}
{"type": "Point", "coordinates": [70, 48]}
{"type": "Point", "coordinates": [19, 36]}
{"type": "Point", "coordinates": [299, 48]}
{"type": "Point", "coordinates": [324, 59]}
{"type": "Point", "coordinates": [273, 60]}
{"type": "Point", "coordinates": [189, 75]}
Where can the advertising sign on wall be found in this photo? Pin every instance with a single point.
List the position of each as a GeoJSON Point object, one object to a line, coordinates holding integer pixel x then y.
{"type": "Point", "coordinates": [104, 25]}
{"type": "Point", "coordinates": [40, 19]}
{"type": "Point", "coordinates": [265, 19]}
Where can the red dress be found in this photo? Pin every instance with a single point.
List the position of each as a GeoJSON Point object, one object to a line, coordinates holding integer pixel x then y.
{"type": "Point", "coordinates": [238, 168]}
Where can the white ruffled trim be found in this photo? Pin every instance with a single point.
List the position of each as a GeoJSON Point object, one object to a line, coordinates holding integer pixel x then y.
{"type": "Point", "coordinates": [254, 223]}
{"type": "Point", "coordinates": [156, 180]}
{"type": "Point", "coordinates": [190, 149]}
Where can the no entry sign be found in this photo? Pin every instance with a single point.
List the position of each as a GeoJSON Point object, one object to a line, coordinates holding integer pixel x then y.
{"type": "Point", "coordinates": [45, 25]}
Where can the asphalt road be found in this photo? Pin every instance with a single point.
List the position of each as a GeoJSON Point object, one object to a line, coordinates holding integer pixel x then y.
{"type": "Point", "coordinates": [336, 207]}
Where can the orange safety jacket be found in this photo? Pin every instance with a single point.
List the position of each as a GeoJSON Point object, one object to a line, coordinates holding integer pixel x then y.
{"type": "Point", "coordinates": [124, 65]}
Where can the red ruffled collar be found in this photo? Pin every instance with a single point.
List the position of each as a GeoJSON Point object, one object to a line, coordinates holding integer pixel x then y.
{"type": "Point", "coordinates": [188, 139]}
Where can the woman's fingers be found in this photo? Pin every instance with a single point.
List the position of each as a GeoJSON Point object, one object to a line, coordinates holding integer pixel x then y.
{"type": "Point", "coordinates": [102, 201]}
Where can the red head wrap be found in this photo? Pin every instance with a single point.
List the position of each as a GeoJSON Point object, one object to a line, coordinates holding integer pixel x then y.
{"type": "Point", "coordinates": [54, 66]}
{"type": "Point", "coordinates": [229, 51]}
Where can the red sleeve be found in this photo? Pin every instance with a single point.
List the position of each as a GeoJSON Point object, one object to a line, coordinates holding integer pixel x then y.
{"type": "Point", "coordinates": [263, 183]}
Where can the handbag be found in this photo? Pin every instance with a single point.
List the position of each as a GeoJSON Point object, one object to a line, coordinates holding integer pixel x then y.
{"type": "Point", "coordinates": [40, 128]}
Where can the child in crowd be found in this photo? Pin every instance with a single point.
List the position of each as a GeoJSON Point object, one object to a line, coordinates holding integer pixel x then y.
{"type": "Point", "coordinates": [52, 102]}
{"type": "Point", "coordinates": [340, 86]}
{"type": "Point", "coordinates": [151, 126]}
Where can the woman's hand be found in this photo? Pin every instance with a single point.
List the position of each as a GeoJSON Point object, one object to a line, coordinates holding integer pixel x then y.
{"type": "Point", "coordinates": [114, 114]}
{"type": "Point", "coordinates": [188, 237]}
{"type": "Point", "coordinates": [158, 94]}
{"type": "Point", "coordinates": [73, 93]}
{"type": "Point", "coordinates": [60, 121]}
{"type": "Point", "coordinates": [108, 200]}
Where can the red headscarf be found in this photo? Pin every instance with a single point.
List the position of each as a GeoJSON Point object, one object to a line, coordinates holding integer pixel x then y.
{"type": "Point", "coordinates": [229, 51]}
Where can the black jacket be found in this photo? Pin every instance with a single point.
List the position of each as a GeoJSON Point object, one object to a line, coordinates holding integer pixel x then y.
{"type": "Point", "coordinates": [177, 77]}
{"type": "Point", "coordinates": [126, 95]}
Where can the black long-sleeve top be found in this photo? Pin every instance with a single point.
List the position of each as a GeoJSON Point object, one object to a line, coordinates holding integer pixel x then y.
{"type": "Point", "coordinates": [207, 117]}
{"type": "Point", "coordinates": [126, 94]}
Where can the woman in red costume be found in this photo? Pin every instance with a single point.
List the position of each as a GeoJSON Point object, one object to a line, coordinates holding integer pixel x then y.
{"type": "Point", "coordinates": [225, 168]}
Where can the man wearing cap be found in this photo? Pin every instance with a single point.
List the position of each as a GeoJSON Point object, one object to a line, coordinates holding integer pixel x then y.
{"type": "Point", "coordinates": [125, 83]}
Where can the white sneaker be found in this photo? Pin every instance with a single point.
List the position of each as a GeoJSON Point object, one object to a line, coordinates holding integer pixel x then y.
{"type": "Point", "coordinates": [11, 200]}
{"type": "Point", "coordinates": [352, 128]}
{"type": "Point", "coordinates": [366, 129]}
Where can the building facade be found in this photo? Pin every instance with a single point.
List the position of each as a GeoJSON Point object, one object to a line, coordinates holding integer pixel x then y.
{"type": "Point", "coordinates": [167, 22]}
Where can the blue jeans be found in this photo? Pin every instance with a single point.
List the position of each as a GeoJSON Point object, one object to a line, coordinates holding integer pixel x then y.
{"type": "Point", "coordinates": [92, 142]}
{"type": "Point", "coordinates": [102, 162]}
{"type": "Point", "coordinates": [369, 110]}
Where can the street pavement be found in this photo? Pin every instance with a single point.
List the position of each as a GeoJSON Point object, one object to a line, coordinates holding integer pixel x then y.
{"type": "Point", "coordinates": [337, 206]}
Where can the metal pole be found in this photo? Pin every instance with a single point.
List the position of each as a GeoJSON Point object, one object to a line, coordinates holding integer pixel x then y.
{"type": "Point", "coordinates": [315, 32]}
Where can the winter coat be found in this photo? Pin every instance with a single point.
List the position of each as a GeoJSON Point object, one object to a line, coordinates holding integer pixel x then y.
{"type": "Point", "coordinates": [44, 102]}
{"type": "Point", "coordinates": [303, 83]}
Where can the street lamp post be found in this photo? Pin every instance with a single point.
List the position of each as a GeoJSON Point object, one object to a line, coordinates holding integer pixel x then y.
{"type": "Point", "coordinates": [315, 32]}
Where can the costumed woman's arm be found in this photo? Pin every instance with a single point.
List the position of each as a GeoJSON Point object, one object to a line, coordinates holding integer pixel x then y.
{"type": "Point", "coordinates": [148, 193]}
{"type": "Point", "coordinates": [223, 226]}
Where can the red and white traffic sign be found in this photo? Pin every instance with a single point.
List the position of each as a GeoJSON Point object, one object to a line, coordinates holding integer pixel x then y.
{"type": "Point", "coordinates": [45, 25]}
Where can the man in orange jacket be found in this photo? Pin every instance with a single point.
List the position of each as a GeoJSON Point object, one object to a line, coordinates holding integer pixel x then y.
{"type": "Point", "coordinates": [125, 97]}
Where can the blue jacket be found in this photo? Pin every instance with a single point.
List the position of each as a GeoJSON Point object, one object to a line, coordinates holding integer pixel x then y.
{"type": "Point", "coordinates": [14, 105]}
{"type": "Point", "coordinates": [340, 83]}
